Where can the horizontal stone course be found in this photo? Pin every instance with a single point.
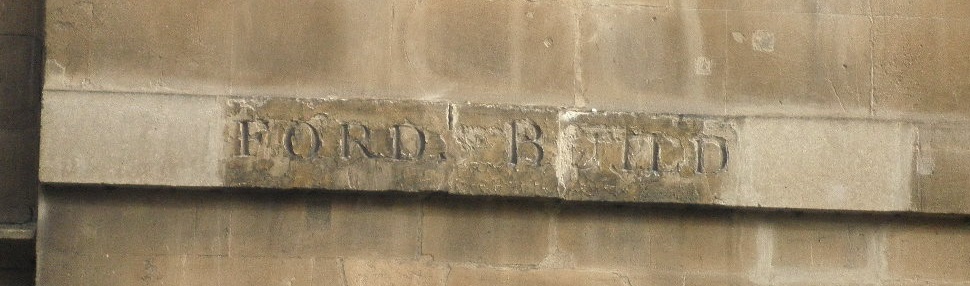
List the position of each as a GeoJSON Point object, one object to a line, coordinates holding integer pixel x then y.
{"type": "Point", "coordinates": [472, 241]}
{"type": "Point", "coordinates": [501, 150]}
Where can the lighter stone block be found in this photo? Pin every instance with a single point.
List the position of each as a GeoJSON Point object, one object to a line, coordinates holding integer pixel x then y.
{"type": "Point", "coordinates": [825, 164]}
{"type": "Point", "coordinates": [124, 138]}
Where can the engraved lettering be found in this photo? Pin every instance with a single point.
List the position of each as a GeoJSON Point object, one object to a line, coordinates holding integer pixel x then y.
{"type": "Point", "coordinates": [638, 151]}
{"type": "Point", "coordinates": [250, 131]}
{"type": "Point", "coordinates": [663, 147]}
{"type": "Point", "coordinates": [525, 133]}
{"type": "Point", "coordinates": [359, 135]}
{"type": "Point", "coordinates": [308, 141]}
{"type": "Point", "coordinates": [711, 146]}
{"type": "Point", "coordinates": [409, 133]}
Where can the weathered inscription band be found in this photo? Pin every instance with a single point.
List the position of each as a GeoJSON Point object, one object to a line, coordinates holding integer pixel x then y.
{"type": "Point", "coordinates": [477, 149]}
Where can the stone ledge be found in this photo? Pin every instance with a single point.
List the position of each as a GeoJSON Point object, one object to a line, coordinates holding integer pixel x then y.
{"type": "Point", "coordinates": [499, 150]}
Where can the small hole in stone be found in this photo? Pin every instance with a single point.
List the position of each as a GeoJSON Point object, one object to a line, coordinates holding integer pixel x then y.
{"type": "Point", "coordinates": [845, 66]}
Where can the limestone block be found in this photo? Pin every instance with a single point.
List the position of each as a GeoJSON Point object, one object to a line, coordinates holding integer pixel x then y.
{"type": "Point", "coordinates": [504, 150]}
{"type": "Point", "coordinates": [101, 269]}
{"type": "Point", "coordinates": [823, 244]}
{"type": "Point", "coordinates": [173, 46]}
{"type": "Point", "coordinates": [686, 279]}
{"type": "Point", "coordinates": [141, 222]}
{"type": "Point", "coordinates": [638, 240]}
{"type": "Point", "coordinates": [394, 273]}
{"type": "Point", "coordinates": [486, 51]}
{"type": "Point", "coordinates": [907, 8]}
{"type": "Point", "coordinates": [784, 63]}
{"type": "Point", "coordinates": [155, 140]}
{"type": "Point", "coordinates": [920, 66]}
{"type": "Point", "coordinates": [933, 251]}
{"type": "Point", "coordinates": [484, 276]}
{"type": "Point", "coordinates": [217, 270]}
{"type": "Point", "coordinates": [942, 167]}
{"type": "Point", "coordinates": [316, 48]}
{"type": "Point", "coordinates": [20, 17]}
{"type": "Point", "coordinates": [649, 158]}
{"type": "Point", "coordinates": [493, 232]}
{"type": "Point", "coordinates": [653, 59]}
{"type": "Point", "coordinates": [358, 145]}
{"type": "Point", "coordinates": [825, 164]}
{"type": "Point", "coordinates": [320, 225]}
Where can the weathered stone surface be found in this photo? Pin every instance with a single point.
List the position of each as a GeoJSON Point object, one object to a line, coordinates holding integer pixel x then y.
{"type": "Point", "coordinates": [339, 144]}
{"type": "Point", "coordinates": [143, 222]}
{"type": "Point", "coordinates": [175, 47]}
{"type": "Point", "coordinates": [486, 51]}
{"type": "Point", "coordinates": [505, 150]}
{"type": "Point", "coordinates": [482, 277]}
{"type": "Point", "coordinates": [318, 46]}
{"type": "Point", "coordinates": [636, 240]}
{"type": "Point", "coordinates": [929, 251]}
{"type": "Point", "coordinates": [652, 158]}
{"type": "Point", "coordinates": [320, 225]}
{"type": "Point", "coordinates": [798, 63]}
{"type": "Point", "coordinates": [823, 243]}
{"type": "Point", "coordinates": [653, 58]}
{"type": "Point", "coordinates": [394, 273]}
{"type": "Point", "coordinates": [493, 232]}
{"type": "Point", "coordinates": [942, 166]}
{"type": "Point", "coordinates": [131, 139]}
{"type": "Point", "coordinates": [825, 164]}
{"type": "Point", "coordinates": [920, 66]}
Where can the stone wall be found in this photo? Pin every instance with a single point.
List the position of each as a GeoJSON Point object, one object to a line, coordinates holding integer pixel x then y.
{"type": "Point", "coordinates": [125, 236]}
{"type": "Point", "coordinates": [505, 142]}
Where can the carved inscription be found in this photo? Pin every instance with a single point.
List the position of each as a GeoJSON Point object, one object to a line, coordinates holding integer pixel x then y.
{"type": "Point", "coordinates": [476, 149]}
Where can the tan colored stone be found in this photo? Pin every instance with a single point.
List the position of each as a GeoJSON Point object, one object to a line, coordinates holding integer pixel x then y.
{"type": "Point", "coordinates": [339, 144]}
{"type": "Point", "coordinates": [825, 164]}
{"type": "Point", "coordinates": [821, 243]}
{"type": "Point", "coordinates": [647, 158]}
{"type": "Point", "coordinates": [394, 273]}
{"type": "Point", "coordinates": [686, 279]}
{"type": "Point", "coordinates": [942, 167]}
{"type": "Point", "coordinates": [908, 8]}
{"type": "Point", "coordinates": [798, 63]}
{"type": "Point", "coordinates": [107, 269]}
{"type": "Point", "coordinates": [929, 250]}
{"type": "Point", "coordinates": [154, 140]}
{"type": "Point", "coordinates": [20, 17]}
{"type": "Point", "coordinates": [654, 59]}
{"type": "Point", "coordinates": [783, 6]}
{"type": "Point", "coordinates": [140, 222]}
{"type": "Point", "coordinates": [316, 48]}
{"type": "Point", "coordinates": [630, 239]}
{"type": "Point", "coordinates": [495, 232]}
{"type": "Point", "coordinates": [920, 66]}
{"type": "Point", "coordinates": [504, 150]}
{"type": "Point", "coordinates": [486, 51]}
{"type": "Point", "coordinates": [320, 225]}
{"type": "Point", "coordinates": [463, 276]}
{"type": "Point", "coordinates": [172, 47]}
{"type": "Point", "coordinates": [215, 270]}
